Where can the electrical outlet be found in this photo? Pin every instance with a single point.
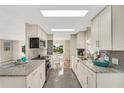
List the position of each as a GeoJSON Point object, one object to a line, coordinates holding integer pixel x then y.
{"type": "Point", "coordinates": [115, 61]}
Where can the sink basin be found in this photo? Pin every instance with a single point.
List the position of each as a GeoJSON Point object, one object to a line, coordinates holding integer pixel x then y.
{"type": "Point", "coordinates": [103, 63]}
{"type": "Point", "coordinates": [7, 65]}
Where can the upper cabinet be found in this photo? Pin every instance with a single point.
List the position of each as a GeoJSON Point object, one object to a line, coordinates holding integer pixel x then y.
{"type": "Point", "coordinates": [101, 30]}
{"type": "Point", "coordinates": [107, 29]}
{"type": "Point", "coordinates": [73, 45]}
{"type": "Point", "coordinates": [81, 39]}
{"type": "Point", "coordinates": [88, 38]}
{"type": "Point", "coordinates": [118, 27]}
{"type": "Point", "coordinates": [34, 30]}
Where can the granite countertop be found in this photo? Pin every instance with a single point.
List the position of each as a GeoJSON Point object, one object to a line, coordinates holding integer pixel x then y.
{"type": "Point", "coordinates": [22, 69]}
{"type": "Point", "coordinates": [111, 69]}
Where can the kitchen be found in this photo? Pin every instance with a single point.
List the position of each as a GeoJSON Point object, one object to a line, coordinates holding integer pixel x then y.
{"type": "Point", "coordinates": [94, 52]}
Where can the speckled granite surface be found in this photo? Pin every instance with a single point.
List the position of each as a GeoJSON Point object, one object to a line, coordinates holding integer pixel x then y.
{"type": "Point", "coordinates": [21, 70]}
{"type": "Point", "coordinates": [97, 69]}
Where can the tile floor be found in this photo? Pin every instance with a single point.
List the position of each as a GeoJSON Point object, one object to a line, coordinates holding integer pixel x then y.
{"type": "Point", "coordinates": [62, 78]}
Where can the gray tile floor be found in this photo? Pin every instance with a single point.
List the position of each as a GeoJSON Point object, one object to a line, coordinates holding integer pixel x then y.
{"type": "Point", "coordinates": [62, 78]}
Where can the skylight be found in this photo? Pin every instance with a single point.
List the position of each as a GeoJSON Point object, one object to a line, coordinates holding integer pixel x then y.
{"type": "Point", "coordinates": [64, 13]}
{"type": "Point", "coordinates": [62, 29]}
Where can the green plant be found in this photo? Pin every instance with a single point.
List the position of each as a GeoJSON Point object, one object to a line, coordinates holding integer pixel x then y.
{"type": "Point", "coordinates": [23, 49]}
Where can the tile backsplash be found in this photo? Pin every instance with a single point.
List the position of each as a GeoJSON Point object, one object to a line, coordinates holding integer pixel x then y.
{"type": "Point", "coordinates": [117, 54]}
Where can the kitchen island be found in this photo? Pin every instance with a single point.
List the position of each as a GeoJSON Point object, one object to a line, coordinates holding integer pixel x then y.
{"type": "Point", "coordinates": [26, 75]}
{"type": "Point", "coordinates": [92, 76]}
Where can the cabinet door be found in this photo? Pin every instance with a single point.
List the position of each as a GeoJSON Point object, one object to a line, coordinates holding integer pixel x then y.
{"type": "Point", "coordinates": [42, 74]}
{"type": "Point", "coordinates": [72, 62]}
{"type": "Point", "coordinates": [81, 40]}
{"type": "Point", "coordinates": [33, 79]}
{"type": "Point", "coordinates": [91, 79]}
{"type": "Point", "coordinates": [105, 42]}
{"type": "Point", "coordinates": [101, 30]}
{"type": "Point", "coordinates": [94, 33]}
{"type": "Point", "coordinates": [82, 75]}
{"type": "Point", "coordinates": [118, 27]}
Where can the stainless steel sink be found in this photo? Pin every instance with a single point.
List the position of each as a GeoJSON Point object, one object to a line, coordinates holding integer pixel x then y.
{"type": "Point", "coordinates": [7, 65]}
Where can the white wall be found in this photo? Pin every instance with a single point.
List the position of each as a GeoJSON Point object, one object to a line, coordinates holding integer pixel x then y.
{"type": "Point", "coordinates": [5, 55]}
{"type": "Point", "coordinates": [13, 54]}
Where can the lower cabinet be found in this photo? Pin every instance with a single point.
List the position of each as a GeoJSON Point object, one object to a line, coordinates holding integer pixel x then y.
{"type": "Point", "coordinates": [33, 80]}
{"type": "Point", "coordinates": [37, 78]}
{"type": "Point", "coordinates": [74, 63]}
{"type": "Point", "coordinates": [86, 77]}
{"type": "Point", "coordinates": [90, 79]}
{"type": "Point", "coordinates": [82, 76]}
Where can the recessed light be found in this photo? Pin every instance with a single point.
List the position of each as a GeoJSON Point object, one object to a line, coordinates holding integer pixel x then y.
{"type": "Point", "coordinates": [62, 29]}
{"type": "Point", "coordinates": [64, 13]}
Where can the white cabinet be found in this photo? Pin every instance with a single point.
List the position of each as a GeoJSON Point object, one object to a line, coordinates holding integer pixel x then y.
{"type": "Point", "coordinates": [118, 27]}
{"type": "Point", "coordinates": [81, 40]}
{"type": "Point", "coordinates": [34, 30]}
{"type": "Point", "coordinates": [101, 30]}
{"type": "Point", "coordinates": [82, 77]}
{"type": "Point", "coordinates": [42, 74]}
{"type": "Point", "coordinates": [107, 29]}
{"type": "Point", "coordinates": [33, 80]}
{"type": "Point", "coordinates": [86, 77]}
{"type": "Point", "coordinates": [91, 79]}
{"type": "Point", "coordinates": [37, 78]}
{"type": "Point", "coordinates": [94, 33]}
{"type": "Point", "coordinates": [72, 62]}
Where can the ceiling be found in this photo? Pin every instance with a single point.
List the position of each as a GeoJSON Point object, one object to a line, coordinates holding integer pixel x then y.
{"type": "Point", "coordinates": [13, 19]}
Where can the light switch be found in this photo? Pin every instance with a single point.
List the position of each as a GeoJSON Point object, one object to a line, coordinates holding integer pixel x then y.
{"type": "Point", "coordinates": [115, 61]}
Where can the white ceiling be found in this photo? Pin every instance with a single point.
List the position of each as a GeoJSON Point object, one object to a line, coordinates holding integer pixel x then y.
{"type": "Point", "coordinates": [13, 19]}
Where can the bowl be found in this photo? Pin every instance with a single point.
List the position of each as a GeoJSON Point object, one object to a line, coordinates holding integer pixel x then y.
{"type": "Point", "coordinates": [104, 63]}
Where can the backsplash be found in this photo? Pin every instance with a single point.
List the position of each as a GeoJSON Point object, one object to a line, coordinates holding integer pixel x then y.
{"type": "Point", "coordinates": [117, 54]}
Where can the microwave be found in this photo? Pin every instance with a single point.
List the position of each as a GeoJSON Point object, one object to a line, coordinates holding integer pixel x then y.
{"type": "Point", "coordinates": [37, 43]}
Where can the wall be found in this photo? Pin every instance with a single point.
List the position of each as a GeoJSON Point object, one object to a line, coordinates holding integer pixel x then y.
{"type": "Point", "coordinates": [13, 54]}
{"type": "Point", "coordinates": [5, 55]}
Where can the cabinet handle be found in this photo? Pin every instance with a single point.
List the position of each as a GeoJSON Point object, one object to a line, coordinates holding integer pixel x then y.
{"type": "Point", "coordinates": [40, 75]}
{"type": "Point", "coordinates": [77, 60]}
{"type": "Point", "coordinates": [29, 87]}
{"type": "Point", "coordinates": [96, 43]}
{"type": "Point", "coordinates": [87, 80]}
